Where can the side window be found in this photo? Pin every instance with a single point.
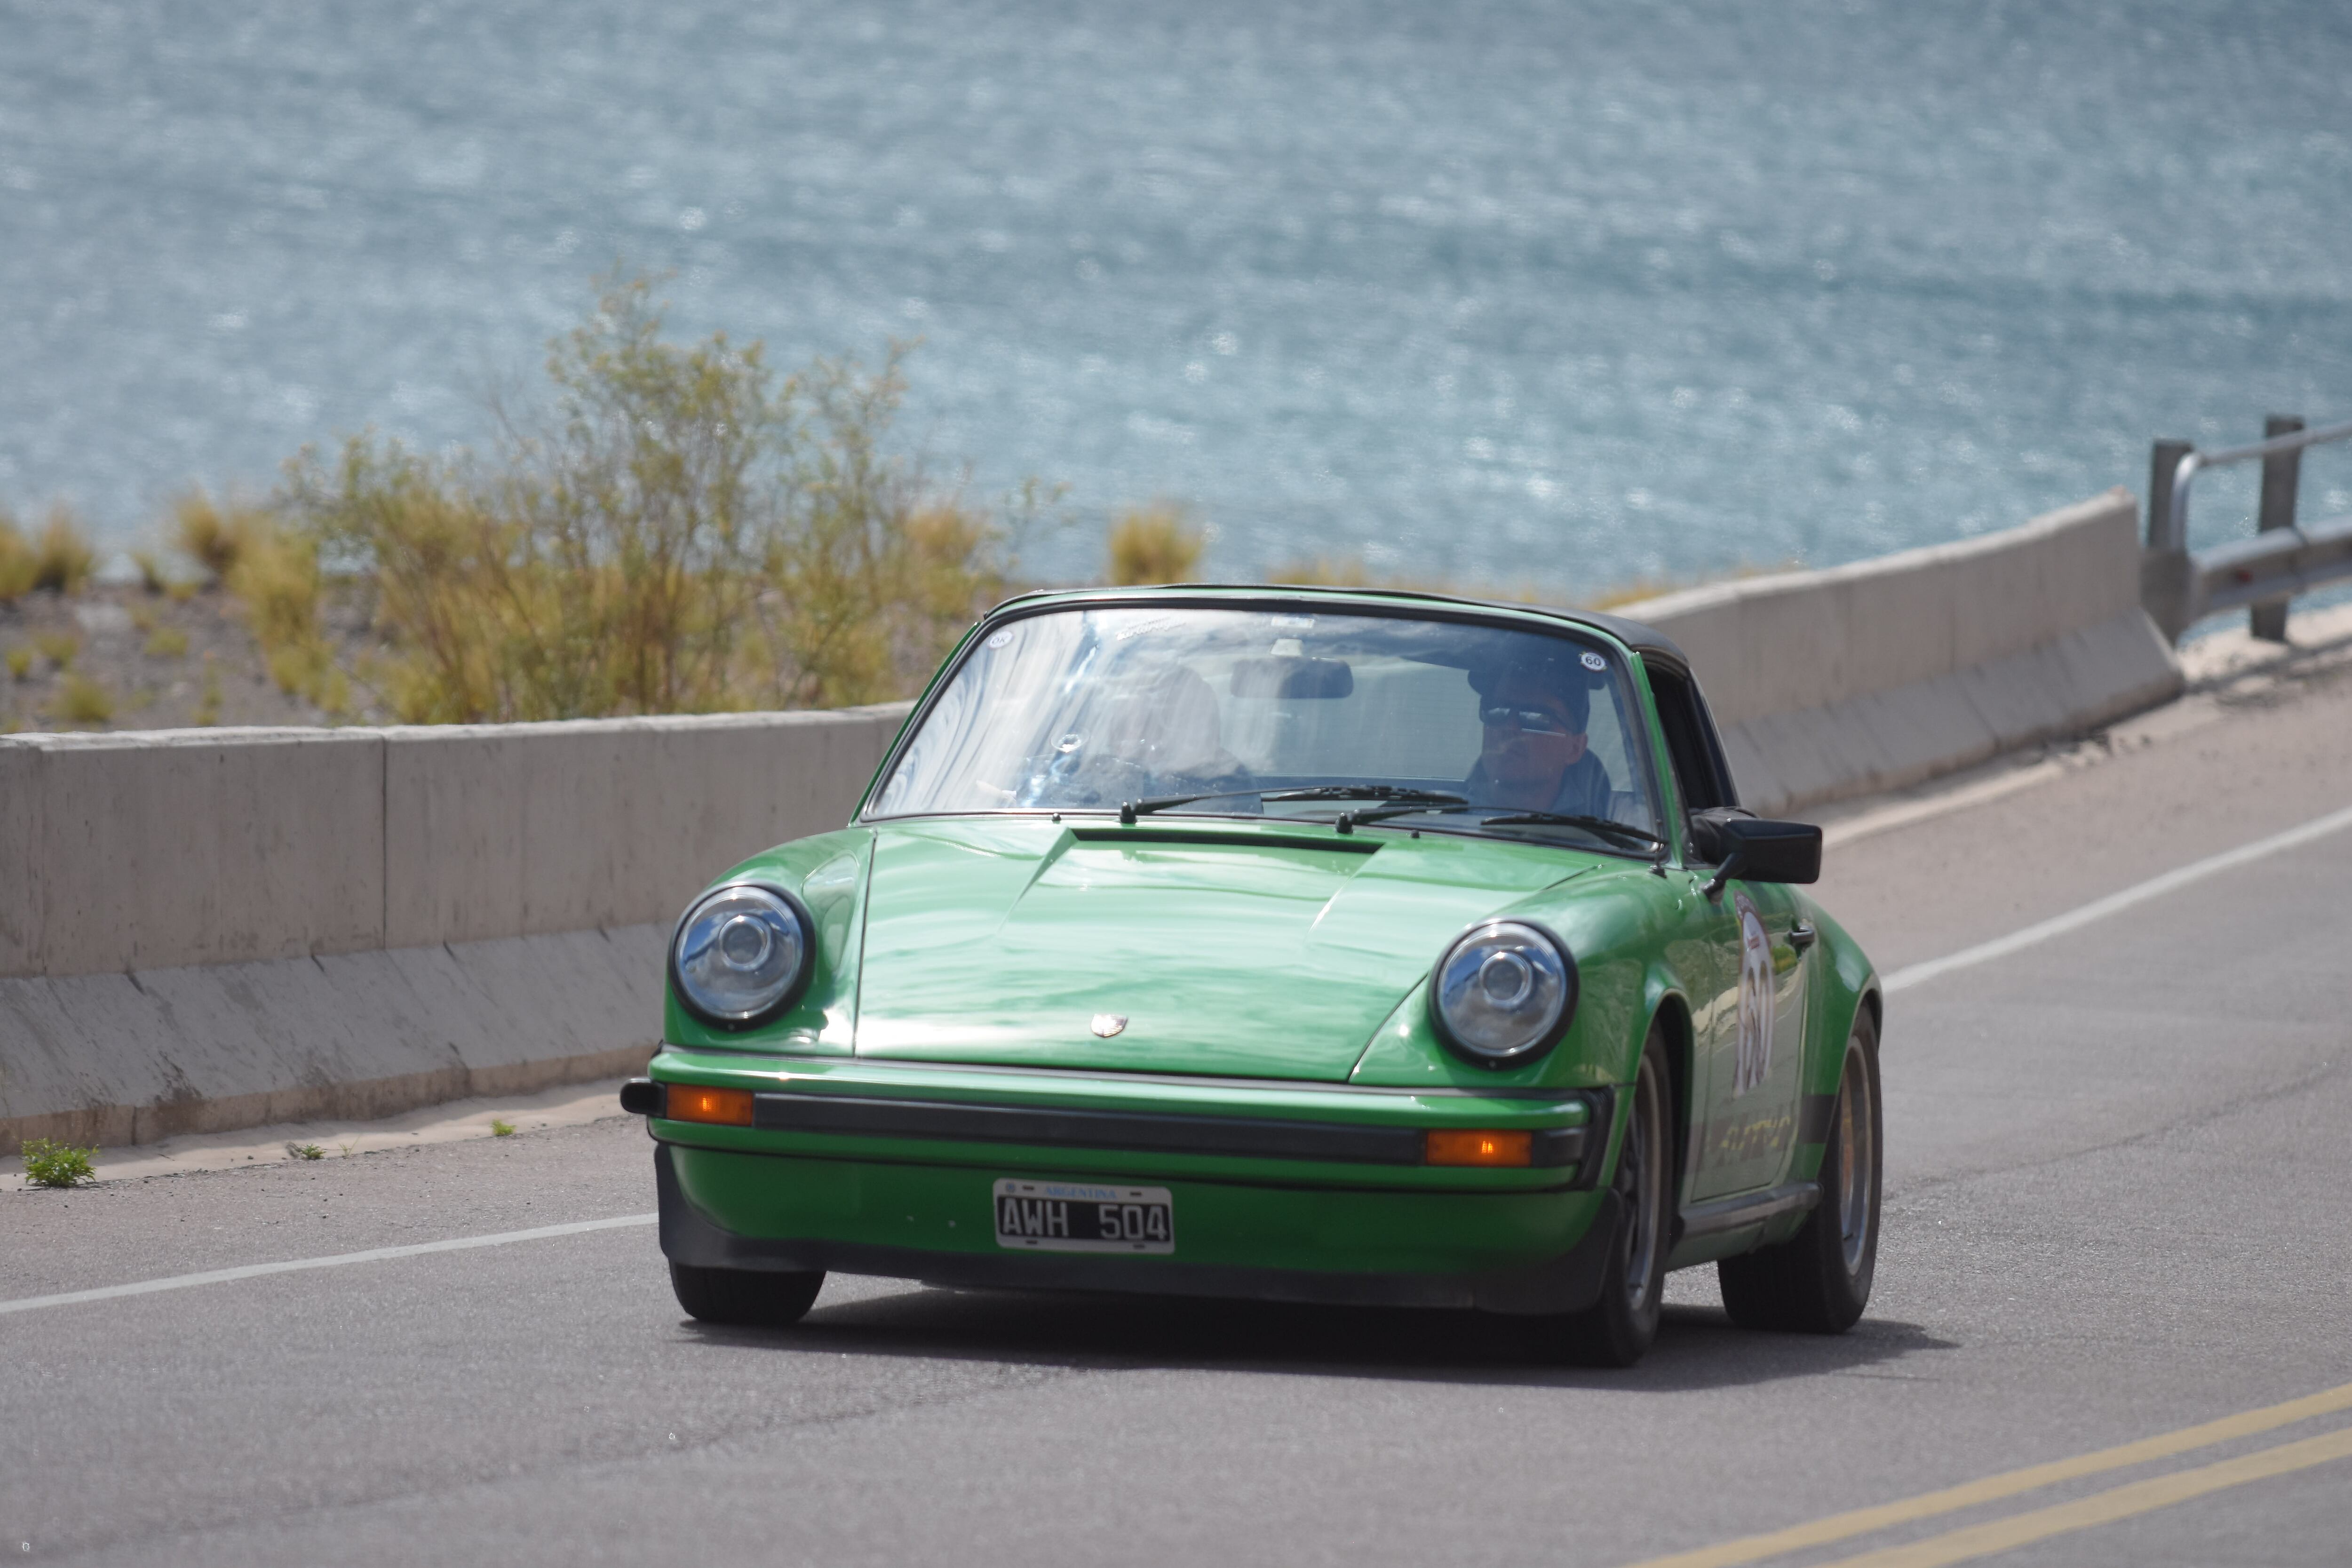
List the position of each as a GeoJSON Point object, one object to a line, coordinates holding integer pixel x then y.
{"type": "Point", "coordinates": [1691, 743]}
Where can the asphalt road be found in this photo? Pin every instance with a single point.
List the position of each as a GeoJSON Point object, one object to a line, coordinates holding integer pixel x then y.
{"type": "Point", "coordinates": [2118, 1168]}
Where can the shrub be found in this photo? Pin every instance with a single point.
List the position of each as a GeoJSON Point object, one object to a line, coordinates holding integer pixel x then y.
{"type": "Point", "coordinates": [274, 577]}
{"type": "Point", "coordinates": [49, 1163]}
{"type": "Point", "coordinates": [681, 531]}
{"type": "Point", "coordinates": [81, 700]}
{"type": "Point", "coordinates": [1155, 543]}
{"type": "Point", "coordinates": [63, 560]}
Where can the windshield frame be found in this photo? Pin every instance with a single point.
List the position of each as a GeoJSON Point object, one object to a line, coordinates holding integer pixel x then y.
{"type": "Point", "coordinates": [1642, 748]}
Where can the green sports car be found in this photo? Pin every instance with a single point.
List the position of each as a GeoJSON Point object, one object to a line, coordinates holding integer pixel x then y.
{"type": "Point", "coordinates": [1299, 944]}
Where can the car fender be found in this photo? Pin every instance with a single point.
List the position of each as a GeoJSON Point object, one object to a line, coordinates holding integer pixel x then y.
{"type": "Point", "coordinates": [1845, 982]}
{"type": "Point", "coordinates": [829, 872]}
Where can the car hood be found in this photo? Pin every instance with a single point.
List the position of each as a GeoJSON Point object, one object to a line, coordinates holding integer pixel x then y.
{"type": "Point", "coordinates": [1228, 948]}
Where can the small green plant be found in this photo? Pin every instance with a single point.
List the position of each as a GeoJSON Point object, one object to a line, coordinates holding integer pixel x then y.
{"type": "Point", "coordinates": [81, 700]}
{"type": "Point", "coordinates": [167, 642]}
{"type": "Point", "coordinates": [501, 1128]}
{"type": "Point", "coordinates": [49, 1163]}
{"type": "Point", "coordinates": [305, 1151]}
{"type": "Point", "coordinates": [1155, 543]}
{"type": "Point", "coordinates": [58, 649]}
{"type": "Point", "coordinates": [20, 662]}
{"type": "Point", "coordinates": [347, 1149]}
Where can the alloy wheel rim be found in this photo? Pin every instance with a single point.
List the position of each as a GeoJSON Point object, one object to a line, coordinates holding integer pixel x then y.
{"type": "Point", "coordinates": [1642, 1140]}
{"type": "Point", "coordinates": [1854, 1162]}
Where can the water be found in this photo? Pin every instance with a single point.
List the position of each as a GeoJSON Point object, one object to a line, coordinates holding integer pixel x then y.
{"type": "Point", "coordinates": [1567, 293]}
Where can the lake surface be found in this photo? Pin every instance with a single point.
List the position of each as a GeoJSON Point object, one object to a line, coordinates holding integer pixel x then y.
{"type": "Point", "coordinates": [1560, 294]}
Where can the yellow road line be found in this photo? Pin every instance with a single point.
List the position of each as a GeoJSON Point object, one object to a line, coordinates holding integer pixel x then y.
{"type": "Point", "coordinates": [1863, 1521]}
{"type": "Point", "coordinates": [2106, 1506]}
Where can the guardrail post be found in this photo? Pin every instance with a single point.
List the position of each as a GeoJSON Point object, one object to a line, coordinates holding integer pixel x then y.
{"type": "Point", "coordinates": [2281, 474]}
{"type": "Point", "coordinates": [2164, 565]}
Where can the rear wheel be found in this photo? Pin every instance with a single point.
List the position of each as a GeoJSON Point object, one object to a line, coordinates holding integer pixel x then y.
{"type": "Point", "coordinates": [1618, 1327]}
{"type": "Point", "coordinates": [744, 1297]}
{"type": "Point", "coordinates": [1818, 1281]}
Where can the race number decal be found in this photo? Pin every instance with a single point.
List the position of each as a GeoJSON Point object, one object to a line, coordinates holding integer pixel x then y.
{"type": "Point", "coordinates": [1755, 997]}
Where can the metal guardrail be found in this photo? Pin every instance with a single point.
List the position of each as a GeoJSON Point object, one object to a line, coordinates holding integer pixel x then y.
{"type": "Point", "coordinates": [2181, 588]}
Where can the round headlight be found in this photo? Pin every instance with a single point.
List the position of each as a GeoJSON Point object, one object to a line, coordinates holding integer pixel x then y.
{"type": "Point", "coordinates": [1504, 992]}
{"type": "Point", "coordinates": [741, 955]}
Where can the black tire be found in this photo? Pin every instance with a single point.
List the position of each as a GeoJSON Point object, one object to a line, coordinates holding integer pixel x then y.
{"type": "Point", "coordinates": [1621, 1325]}
{"type": "Point", "coordinates": [743, 1297]}
{"type": "Point", "coordinates": [1818, 1281]}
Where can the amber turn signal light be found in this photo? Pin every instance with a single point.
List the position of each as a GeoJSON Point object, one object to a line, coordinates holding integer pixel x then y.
{"type": "Point", "coordinates": [1472, 1148]}
{"type": "Point", "coordinates": [732, 1107]}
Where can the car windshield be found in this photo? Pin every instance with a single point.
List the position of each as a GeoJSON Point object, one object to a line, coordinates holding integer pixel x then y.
{"type": "Point", "coordinates": [1448, 725]}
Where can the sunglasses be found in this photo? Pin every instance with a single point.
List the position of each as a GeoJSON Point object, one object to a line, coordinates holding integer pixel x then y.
{"type": "Point", "coordinates": [1530, 720]}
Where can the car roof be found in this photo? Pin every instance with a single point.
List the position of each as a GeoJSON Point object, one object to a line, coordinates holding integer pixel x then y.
{"type": "Point", "coordinates": [1634, 635]}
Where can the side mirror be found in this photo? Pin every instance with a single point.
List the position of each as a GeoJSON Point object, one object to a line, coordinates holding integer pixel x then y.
{"type": "Point", "coordinates": [1756, 848]}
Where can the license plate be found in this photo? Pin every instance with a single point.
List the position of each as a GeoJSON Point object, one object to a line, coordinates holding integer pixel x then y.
{"type": "Point", "coordinates": [1084, 1216]}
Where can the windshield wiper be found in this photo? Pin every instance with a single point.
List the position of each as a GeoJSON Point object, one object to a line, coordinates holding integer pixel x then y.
{"type": "Point", "coordinates": [1130, 810]}
{"type": "Point", "coordinates": [1369, 792]}
{"type": "Point", "coordinates": [1621, 832]}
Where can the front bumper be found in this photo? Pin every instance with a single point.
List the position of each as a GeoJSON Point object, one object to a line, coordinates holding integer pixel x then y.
{"type": "Point", "coordinates": [1281, 1192]}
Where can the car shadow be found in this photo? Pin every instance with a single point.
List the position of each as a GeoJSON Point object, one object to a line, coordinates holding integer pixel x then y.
{"type": "Point", "coordinates": [1697, 1347]}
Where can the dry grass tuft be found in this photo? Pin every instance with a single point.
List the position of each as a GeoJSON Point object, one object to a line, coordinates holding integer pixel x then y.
{"type": "Point", "coordinates": [81, 700]}
{"type": "Point", "coordinates": [208, 705]}
{"type": "Point", "coordinates": [167, 642]}
{"type": "Point", "coordinates": [19, 566]}
{"type": "Point", "coordinates": [1155, 543]}
{"type": "Point", "coordinates": [213, 534]}
{"type": "Point", "coordinates": [58, 647]}
{"type": "Point", "coordinates": [20, 663]}
{"type": "Point", "coordinates": [63, 559]}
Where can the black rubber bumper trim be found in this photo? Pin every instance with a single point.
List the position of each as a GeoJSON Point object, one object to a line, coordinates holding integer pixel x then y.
{"type": "Point", "coordinates": [1567, 1283]}
{"type": "Point", "coordinates": [1244, 1137]}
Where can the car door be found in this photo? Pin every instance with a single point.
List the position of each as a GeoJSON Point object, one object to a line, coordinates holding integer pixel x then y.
{"type": "Point", "coordinates": [1748, 979]}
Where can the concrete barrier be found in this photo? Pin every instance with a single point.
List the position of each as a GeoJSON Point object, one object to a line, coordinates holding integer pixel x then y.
{"type": "Point", "coordinates": [1880, 673]}
{"type": "Point", "coordinates": [204, 930]}
{"type": "Point", "coordinates": [201, 931]}
{"type": "Point", "coordinates": [160, 850]}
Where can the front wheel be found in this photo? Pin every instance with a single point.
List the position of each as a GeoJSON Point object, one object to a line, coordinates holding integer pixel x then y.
{"type": "Point", "coordinates": [1618, 1328]}
{"type": "Point", "coordinates": [1818, 1281]}
{"type": "Point", "coordinates": [743, 1296]}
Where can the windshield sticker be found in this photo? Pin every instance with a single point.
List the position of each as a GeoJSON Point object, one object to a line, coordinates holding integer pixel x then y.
{"type": "Point", "coordinates": [1595, 663]}
{"type": "Point", "coordinates": [1755, 998]}
{"type": "Point", "coordinates": [1000, 639]}
{"type": "Point", "coordinates": [1304, 623]}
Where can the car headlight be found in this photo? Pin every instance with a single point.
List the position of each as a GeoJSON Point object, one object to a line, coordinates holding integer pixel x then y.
{"type": "Point", "coordinates": [741, 955]}
{"type": "Point", "coordinates": [1504, 992]}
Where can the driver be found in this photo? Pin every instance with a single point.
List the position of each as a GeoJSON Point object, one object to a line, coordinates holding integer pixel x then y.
{"type": "Point", "coordinates": [1535, 756]}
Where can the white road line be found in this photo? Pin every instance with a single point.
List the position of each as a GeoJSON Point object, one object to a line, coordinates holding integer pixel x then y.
{"type": "Point", "coordinates": [375, 1254]}
{"type": "Point", "coordinates": [2115, 903]}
